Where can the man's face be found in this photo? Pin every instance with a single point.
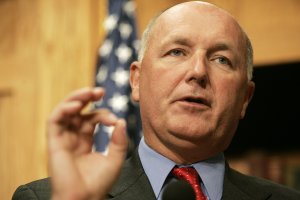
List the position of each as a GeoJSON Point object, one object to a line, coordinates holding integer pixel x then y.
{"type": "Point", "coordinates": [192, 82]}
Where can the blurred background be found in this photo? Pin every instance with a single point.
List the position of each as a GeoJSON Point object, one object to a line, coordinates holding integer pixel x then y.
{"type": "Point", "coordinates": [51, 47]}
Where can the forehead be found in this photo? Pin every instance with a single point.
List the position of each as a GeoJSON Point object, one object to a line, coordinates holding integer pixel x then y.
{"type": "Point", "coordinates": [197, 21]}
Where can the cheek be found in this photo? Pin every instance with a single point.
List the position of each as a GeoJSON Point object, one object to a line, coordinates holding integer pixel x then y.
{"type": "Point", "coordinates": [161, 79]}
{"type": "Point", "coordinates": [229, 95]}
{"type": "Point", "coordinates": [156, 89]}
{"type": "Point", "coordinates": [229, 104]}
{"type": "Point", "coordinates": [151, 88]}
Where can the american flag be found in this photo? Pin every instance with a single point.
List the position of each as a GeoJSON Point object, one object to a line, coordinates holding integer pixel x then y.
{"type": "Point", "coordinates": [116, 53]}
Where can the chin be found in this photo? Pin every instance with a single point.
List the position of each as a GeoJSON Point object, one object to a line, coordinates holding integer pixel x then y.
{"type": "Point", "coordinates": [183, 151]}
{"type": "Point", "coordinates": [190, 133]}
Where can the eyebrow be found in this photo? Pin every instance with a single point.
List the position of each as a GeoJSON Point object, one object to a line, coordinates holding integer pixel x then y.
{"type": "Point", "coordinates": [220, 47]}
{"type": "Point", "coordinates": [178, 40]}
{"type": "Point", "coordinates": [187, 42]}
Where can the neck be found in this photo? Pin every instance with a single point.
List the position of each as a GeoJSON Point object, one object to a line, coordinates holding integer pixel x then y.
{"type": "Point", "coordinates": [184, 153]}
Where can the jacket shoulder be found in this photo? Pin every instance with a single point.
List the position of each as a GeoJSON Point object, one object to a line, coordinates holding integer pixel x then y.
{"type": "Point", "coordinates": [253, 186]}
{"type": "Point", "coordinates": [39, 189]}
{"type": "Point", "coordinates": [132, 183]}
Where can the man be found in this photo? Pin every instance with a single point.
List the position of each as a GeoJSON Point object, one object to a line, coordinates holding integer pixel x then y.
{"type": "Point", "coordinates": [193, 83]}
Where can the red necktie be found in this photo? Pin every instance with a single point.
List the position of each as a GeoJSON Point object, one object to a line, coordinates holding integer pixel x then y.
{"type": "Point", "coordinates": [190, 175]}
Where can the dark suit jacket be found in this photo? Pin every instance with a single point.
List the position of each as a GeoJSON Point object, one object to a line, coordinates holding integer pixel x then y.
{"type": "Point", "coordinates": [133, 184]}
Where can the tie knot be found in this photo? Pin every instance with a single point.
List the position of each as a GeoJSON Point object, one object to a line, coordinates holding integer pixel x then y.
{"type": "Point", "coordinates": [190, 175]}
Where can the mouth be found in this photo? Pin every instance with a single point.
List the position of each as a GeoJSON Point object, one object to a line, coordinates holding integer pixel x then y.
{"type": "Point", "coordinates": [194, 100]}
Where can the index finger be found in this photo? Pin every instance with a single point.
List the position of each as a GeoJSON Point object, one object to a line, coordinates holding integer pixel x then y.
{"type": "Point", "coordinates": [86, 95]}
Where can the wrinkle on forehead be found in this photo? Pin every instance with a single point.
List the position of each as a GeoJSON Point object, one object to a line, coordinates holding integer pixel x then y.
{"type": "Point", "coordinates": [173, 14]}
{"type": "Point", "coordinates": [180, 13]}
{"type": "Point", "coordinates": [203, 9]}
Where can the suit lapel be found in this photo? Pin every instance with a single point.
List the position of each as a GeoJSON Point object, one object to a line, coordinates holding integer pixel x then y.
{"type": "Point", "coordinates": [241, 187]}
{"type": "Point", "coordinates": [133, 183]}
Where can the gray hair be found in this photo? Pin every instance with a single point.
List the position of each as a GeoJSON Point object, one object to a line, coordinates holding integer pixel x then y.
{"type": "Point", "coordinates": [249, 56]}
{"type": "Point", "coordinates": [145, 37]}
{"type": "Point", "coordinates": [145, 43]}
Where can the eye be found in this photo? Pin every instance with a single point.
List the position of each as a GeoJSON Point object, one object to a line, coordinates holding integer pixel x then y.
{"type": "Point", "coordinates": [223, 60]}
{"type": "Point", "coordinates": [176, 52]}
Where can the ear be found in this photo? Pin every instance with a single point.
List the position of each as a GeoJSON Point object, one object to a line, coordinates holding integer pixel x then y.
{"type": "Point", "coordinates": [135, 80]}
{"type": "Point", "coordinates": [248, 97]}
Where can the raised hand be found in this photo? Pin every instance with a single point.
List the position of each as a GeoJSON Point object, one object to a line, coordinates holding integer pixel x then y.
{"type": "Point", "coordinates": [76, 171]}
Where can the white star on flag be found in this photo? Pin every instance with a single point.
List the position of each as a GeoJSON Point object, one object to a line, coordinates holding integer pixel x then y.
{"type": "Point", "coordinates": [120, 77]}
{"type": "Point", "coordinates": [125, 30]}
{"type": "Point", "coordinates": [123, 53]}
{"type": "Point", "coordinates": [109, 130]}
{"type": "Point", "coordinates": [118, 102]}
{"type": "Point", "coordinates": [111, 22]}
{"type": "Point", "coordinates": [102, 74]}
{"type": "Point", "coordinates": [117, 52]}
{"type": "Point", "coordinates": [106, 48]}
{"type": "Point", "coordinates": [136, 45]}
{"type": "Point", "coordinates": [129, 7]}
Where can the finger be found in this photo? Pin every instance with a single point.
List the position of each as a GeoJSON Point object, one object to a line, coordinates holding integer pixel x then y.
{"type": "Point", "coordinates": [103, 116]}
{"type": "Point", "coordinates": [64, 111]}
{"type": "Point", "coordinates": [74, 104]}
{"type": "Point", "coordinates": [85, 145]}
{"type": "Point", "coordinates": [86, 94]}
{"type": "Point", "coordinates": [60, 120]}
{"type": "Point", "coordinates": [117, 148]}
{"type": "Point", "coordinates": [89, 121]}
{"type": "Point", "coordinates": [86, 133]}
{"type": "Point", "coordinates": [87, 127]}
{"type": "Point", "coordinates": [64, 178]}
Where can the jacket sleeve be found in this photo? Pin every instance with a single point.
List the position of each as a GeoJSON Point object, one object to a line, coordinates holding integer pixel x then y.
{"type": "Point", "coordinates": [23, 192]}
{"type": "Point", "coordinates": [37, 190]}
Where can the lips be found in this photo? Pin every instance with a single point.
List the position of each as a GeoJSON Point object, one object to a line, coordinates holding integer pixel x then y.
{"type": "Point", "coordinates": [196, 100]}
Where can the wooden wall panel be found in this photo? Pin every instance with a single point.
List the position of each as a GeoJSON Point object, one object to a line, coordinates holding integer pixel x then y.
{"type": "Point", "coordinates": [274, 28]}
{"type": "Point", "coordinates": [272, 25]}
{"type": "Point", "coordinates": [47, 49]}
{"type": "Point", "coordinates": [21, 160]}
{"type": "Point", "coordinates": [5, 140]}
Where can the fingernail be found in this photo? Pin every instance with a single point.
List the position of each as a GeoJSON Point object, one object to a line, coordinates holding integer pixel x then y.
{"type": "Point", "coordinates": [123, 122]}
{"type": "Point", "coordinates": [112, 117]}
{"type": "Point", "coordinates": [98, 89]}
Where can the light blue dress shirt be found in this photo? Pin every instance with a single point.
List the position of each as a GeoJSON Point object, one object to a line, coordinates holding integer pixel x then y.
{"type": "Point", "coordinates": [157, 168]}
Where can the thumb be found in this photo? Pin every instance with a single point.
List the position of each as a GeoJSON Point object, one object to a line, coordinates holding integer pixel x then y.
{"type": "Point", "coordinates": [118, 145]}
{"type": "Point", "coordinates": [117, 150]}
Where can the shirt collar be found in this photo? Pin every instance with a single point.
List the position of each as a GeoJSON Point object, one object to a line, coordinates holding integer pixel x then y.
{"type": "Point", "coordinates": [157, 168]}
{"type": "Point", "coordinates": [211, 172]}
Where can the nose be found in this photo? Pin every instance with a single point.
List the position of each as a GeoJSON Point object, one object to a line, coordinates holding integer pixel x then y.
{"type": "Point", "coordinates": [197, 72]}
